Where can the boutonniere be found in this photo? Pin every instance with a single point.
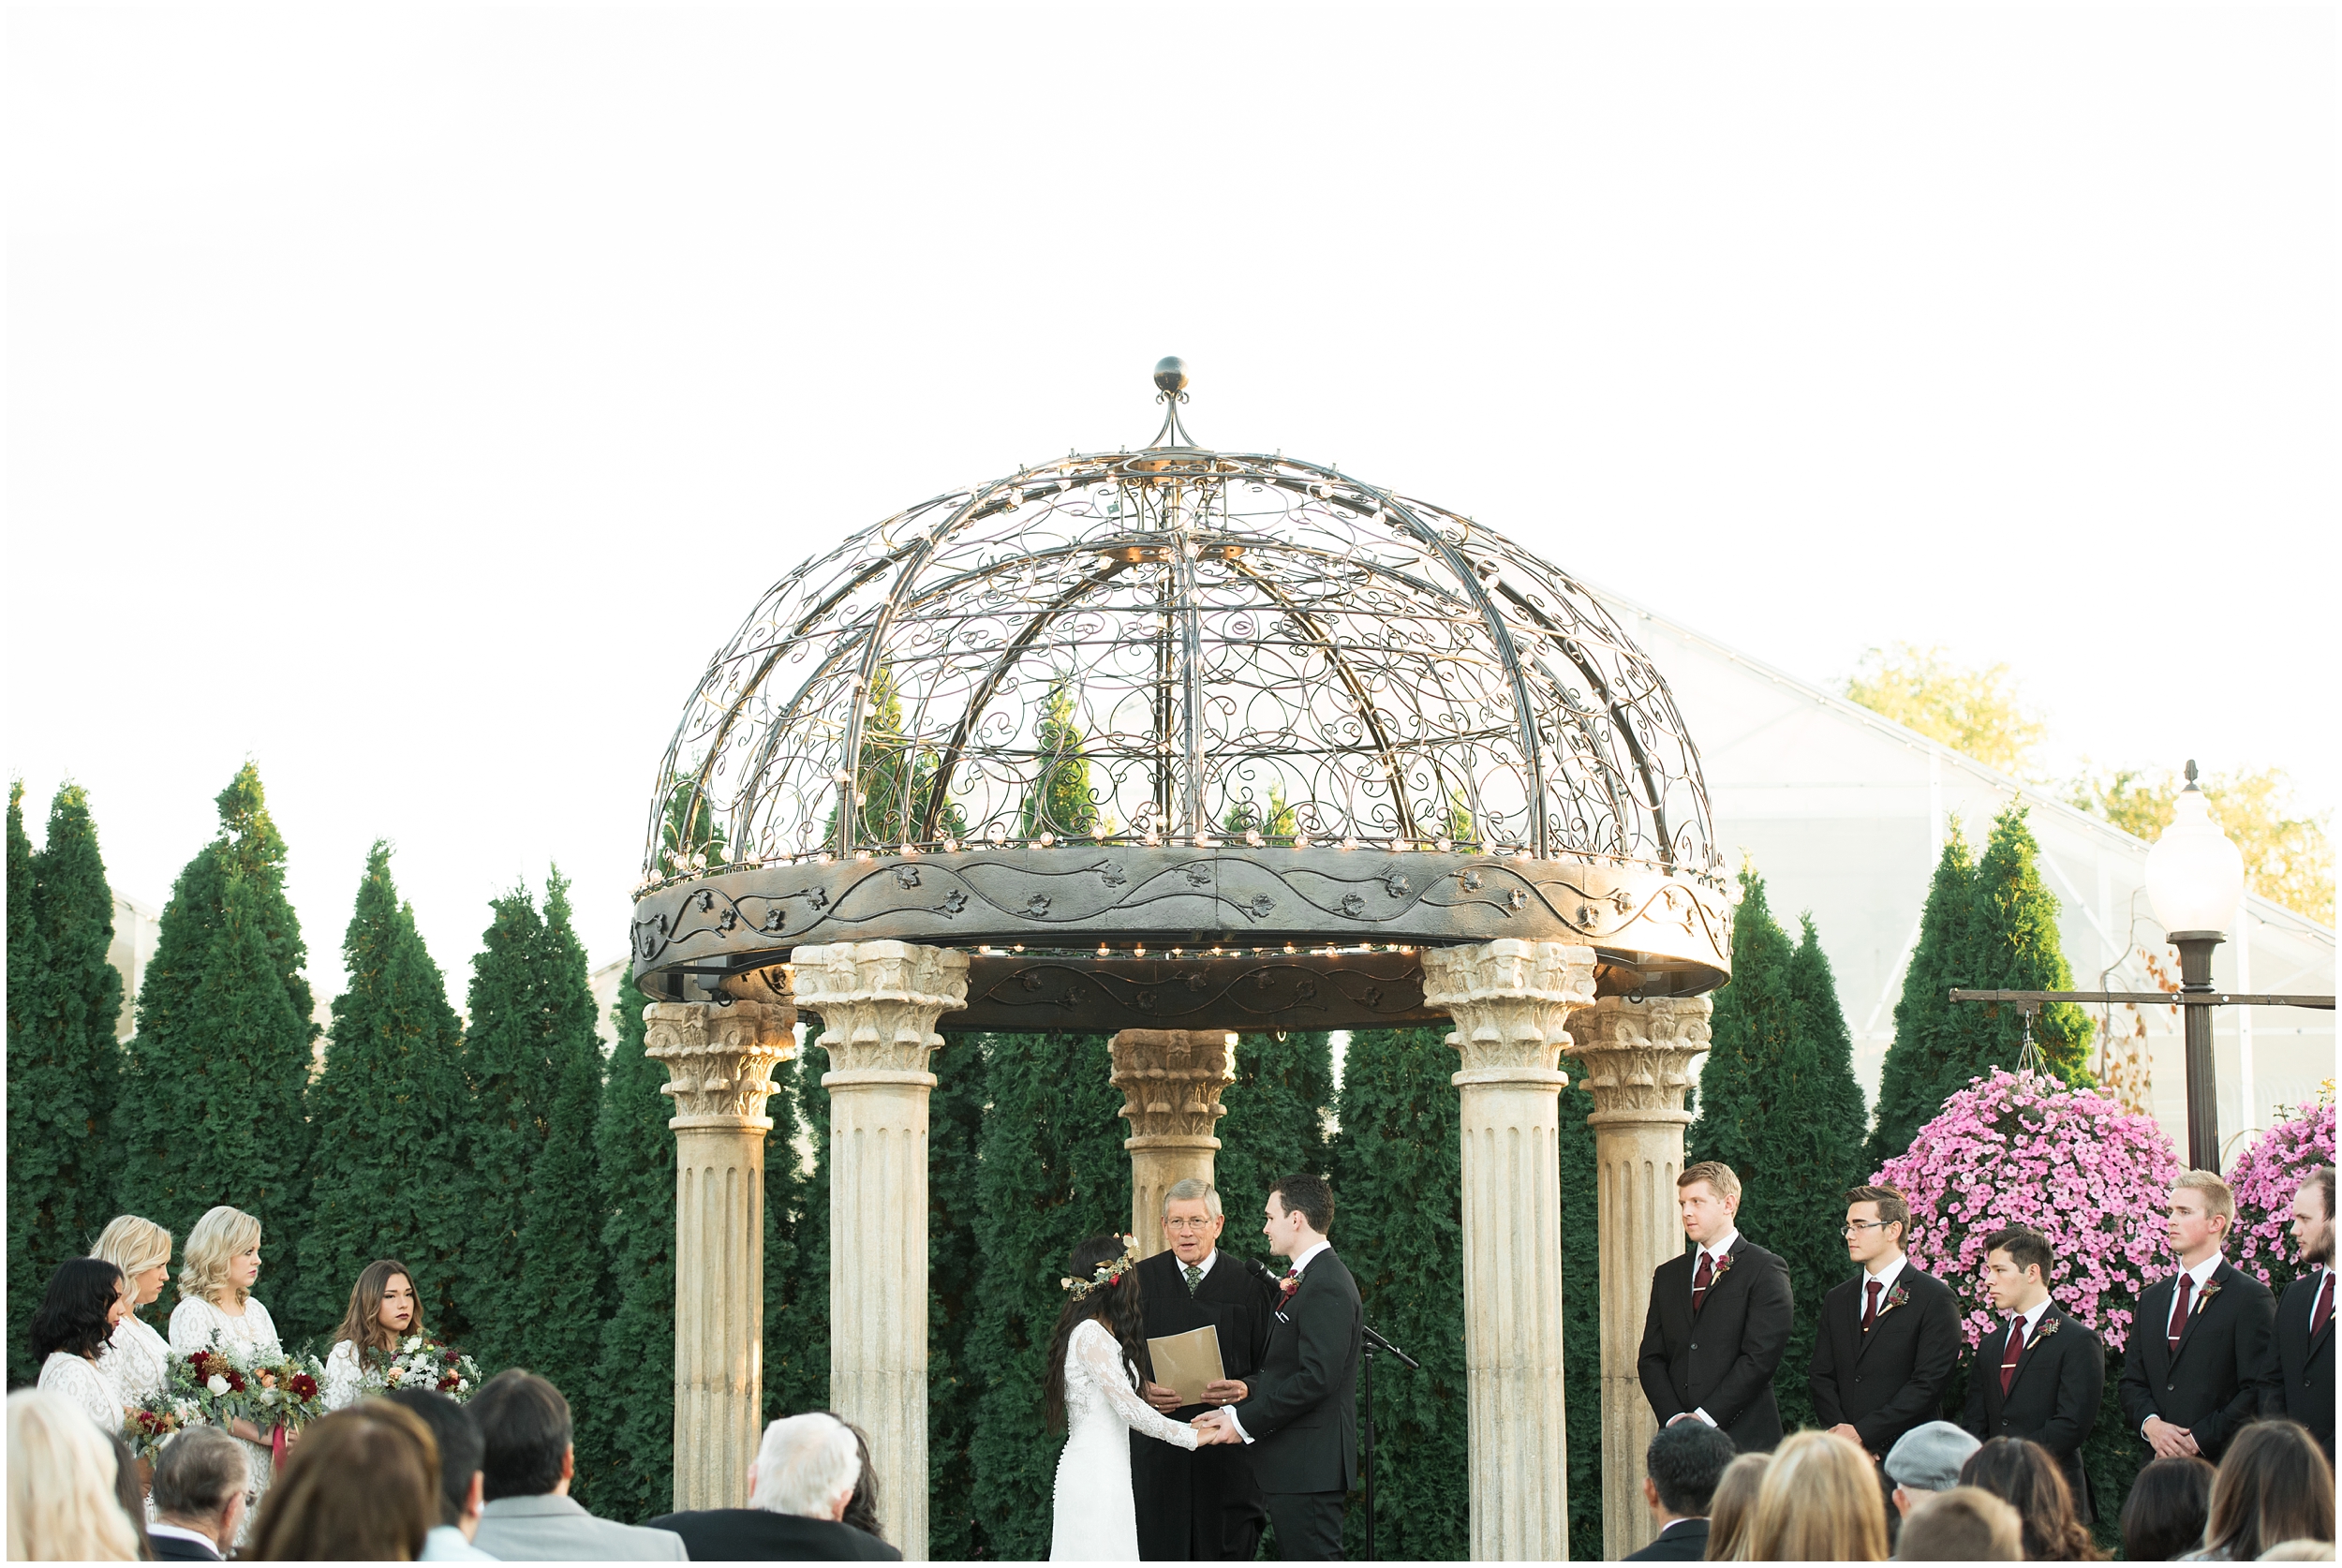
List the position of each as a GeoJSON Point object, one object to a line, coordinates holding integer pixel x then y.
{"type": "Point", "coordinates": [1286, 1287]}
{"type": "Point", "coordinates": [2211, 1289]}
{"type": "Point", "coordinates": [2049, 1327]}
{"type": "Point", "coordinates": [1723, 1265]}
{"type": "Point", "coordinates": [1897, 1298]}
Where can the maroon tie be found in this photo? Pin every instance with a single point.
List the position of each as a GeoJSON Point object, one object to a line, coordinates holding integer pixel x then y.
{"type": "Point", "coordinates": [2323, 1313]}
{"type": "Point", "coordinates": [1701, 1281]}
{"type": "Point", "coordinates": [2179, 1312]}
{"type": "Point", "coordinates": [2008, 1357]}
{"type": "Point", "coordinates": [1870, 1310]}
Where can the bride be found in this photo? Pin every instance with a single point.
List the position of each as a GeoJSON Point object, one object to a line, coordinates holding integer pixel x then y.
{"type": "Point", "coordinates": [1092, 1394]}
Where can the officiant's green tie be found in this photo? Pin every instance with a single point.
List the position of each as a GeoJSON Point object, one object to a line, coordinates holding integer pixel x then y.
{"type": "Point", "coordinates": [1194, 1278]}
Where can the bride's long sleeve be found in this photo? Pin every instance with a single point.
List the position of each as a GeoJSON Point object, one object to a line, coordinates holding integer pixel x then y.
{"type": "Point", "coordinates": [1099, 1353]}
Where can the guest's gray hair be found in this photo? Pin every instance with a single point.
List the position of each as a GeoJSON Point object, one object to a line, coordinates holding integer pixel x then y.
{"type": "Point", "coordinates": [1191, 1189]}
{"type": "Point", "coordinates": [197, 1472]}
{"type": "Point", "coordinates": [806, 1464]}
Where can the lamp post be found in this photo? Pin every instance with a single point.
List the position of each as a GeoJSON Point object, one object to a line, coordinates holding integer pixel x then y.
{"type": "Point", "coordinates": [2195, 880]}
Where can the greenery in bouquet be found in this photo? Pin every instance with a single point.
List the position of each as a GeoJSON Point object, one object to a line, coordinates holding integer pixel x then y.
{"type": "Point", "coordinates": [422, 1362]}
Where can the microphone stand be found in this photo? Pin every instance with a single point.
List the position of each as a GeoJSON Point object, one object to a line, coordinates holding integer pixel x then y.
{"type": "Point", "coordinates": [1370, 1342]}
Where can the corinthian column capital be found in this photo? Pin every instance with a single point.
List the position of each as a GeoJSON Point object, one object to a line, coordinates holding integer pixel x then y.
{"type": "Point", "coordinates": [719, 1058]}
{"type": "Point", "coordinates": [1171, 1080]}
{"type": "Point", "coordinates": [1510, 1000]}
{"type": "Point", "coordinates": [878, 1002]}
{"type": "Point", "coordinates": [1639, 1055]}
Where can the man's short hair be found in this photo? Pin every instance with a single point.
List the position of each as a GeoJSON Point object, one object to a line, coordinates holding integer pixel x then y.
{"type": "Point", "coordinates": [1309, 1197]}
{"type": "Point", "coordinates": [1927, 1459]}
{"type": "Point", "coordinates": [1191, 1189]}
{"type": "Point", "coordinates": [1717, 1174]}
{"type": "Point", "coordinates": [1893, 1208]}
{"type": "Point", "coordinates": [1684, 1462]}
{"type": "Point", "coordinates": [524, 1429]}
{"type": "Point", "coordinates": [1967, 1524]}
{"type": "Point", "coordinates": [2218, 1199]}
{"type": "Point", "coordinates": [2322, 1179]}
{"type": "Point", "coordinates": [460, 1445]}
{"type": "Point", "coordinates": [2026, 1248]}
{"type": "Point", "coordinates": [197, 1472]}
{"type": "Point", "coordinates": [805, 1464]}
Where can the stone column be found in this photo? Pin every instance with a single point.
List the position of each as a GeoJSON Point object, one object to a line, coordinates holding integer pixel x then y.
{"type": "Point", "coordinates": [878, 1002]}
{"type": "Point", "coordinates": [1637, 1056]}
{"type": "Point", "coordinates": [1509, 999]}
{"type": "Point", "coordinates": [720, 1061]}
{"type": "Point", "coordinates": [1171, 1080]}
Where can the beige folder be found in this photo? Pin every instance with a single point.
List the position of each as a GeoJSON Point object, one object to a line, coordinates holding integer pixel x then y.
{"type": "Point", "coordinates": [1185, 1362]}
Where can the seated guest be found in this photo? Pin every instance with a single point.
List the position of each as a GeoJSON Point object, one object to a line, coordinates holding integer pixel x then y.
{"type": "Point", "coordinates": [1682, 1467]}
{"type": "Point", "coordinates": [528, 1515]}
{"type": "Point", "coordinates": [2299, 1551]}
{"type": "Point", "coordinates": [862, 1508]}
{"type": "Point", "coordinates": [2021, 1473]}
{"type": "Point", "coordinates": [60, 1485]}
{"type": "Point", "coordinates": [804, 1473]}
{"type": "Point", "coordinates": [2273, 1487]}
{"type": "Point", "coordinates": [1926, 1461]}
{"type": "Point", "coordinates": [457, 1435]}
{"type": "Point", "coordinates": [199, 1478]}
{"type": "Point", "coordinates": [363, 1484]}
{"type": "Point", "coordinates": [1733, 1507]}
{"type": "Point", "coordinates": [2164, 1515]}
{"type": "Point", "coordinates": [130, 1493]}
{"type": "Point", "coordinates": [1963, 1524]}
{"type": "Point", "coordinates": [1820, 1502]}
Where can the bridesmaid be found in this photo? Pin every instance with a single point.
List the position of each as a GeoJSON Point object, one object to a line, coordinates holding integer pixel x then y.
{"type": "Point", "coordinates": [382, 1311]}
{"type": "Point", "coordinates": [87, 1297]}
{"type": "Point", "coordinates": [217, 1309]}
{"type": "Point", "coordinates": [136, 1357]}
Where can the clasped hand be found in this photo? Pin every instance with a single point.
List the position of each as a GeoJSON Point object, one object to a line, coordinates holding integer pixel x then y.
{"type": "Point", "coordinates": [1215, 1425]}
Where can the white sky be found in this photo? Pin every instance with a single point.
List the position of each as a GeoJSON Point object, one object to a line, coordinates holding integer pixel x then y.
{"type": "Point", "coordinates": [412, 400]}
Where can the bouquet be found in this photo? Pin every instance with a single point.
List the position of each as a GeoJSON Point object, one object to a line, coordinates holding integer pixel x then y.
{"type": "Point", "coordinates": [421, 1362]}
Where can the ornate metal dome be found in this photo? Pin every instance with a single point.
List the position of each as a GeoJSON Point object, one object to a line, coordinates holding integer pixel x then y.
{"type": "Point", "coordinates": [1180, 699]}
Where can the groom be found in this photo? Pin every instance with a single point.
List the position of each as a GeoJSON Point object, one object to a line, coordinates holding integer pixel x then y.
{"type": "Point", "coordinates": [1299, 1414]}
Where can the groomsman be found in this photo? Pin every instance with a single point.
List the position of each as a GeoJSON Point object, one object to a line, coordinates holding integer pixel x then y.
{"type": "Point", "coordinates": [2302, 1382]}
{"type": "Point", "coordinates": [1719, 1319]}
{"type": "Point", "coordinates": [2201, 1340]}
{"type": "Point", "coordinates": [1889, 1337]}
{"type": "Point", "coordinates": [2040, 1373]}
{"type": "Point", "coordinates": [1201, 1505]}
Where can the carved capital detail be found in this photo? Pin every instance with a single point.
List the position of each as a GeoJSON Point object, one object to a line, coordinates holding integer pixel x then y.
{"type": "Point", "coordinates": [721, 1059]}
{"type": "Point", "coordinates": [1172, 1079]}
{"type": "Point", "coordinates": [878, 1002]}
{"type": "Point", "coordinates": [1638, 1055]}
{"type": "Point", "coordinates": [1510, 1000]}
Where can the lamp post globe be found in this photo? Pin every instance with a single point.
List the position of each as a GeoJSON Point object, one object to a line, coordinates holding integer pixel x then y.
{"type": "Point", "coordinates": [2196, 881]}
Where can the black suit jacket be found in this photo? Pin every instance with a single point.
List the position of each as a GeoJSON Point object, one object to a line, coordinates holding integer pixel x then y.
{"type": "Point", "coordinates": [1684, 1541]}
{"type": "Point", "coordinates": [756, 1535]}
{"type": "Point", "coordinates": [169, 1549]}
{"type": "Point", "coordinates": [1303, 1415]}
{"type": "Point", "coordinates": [2299, 1385]}
{"type": "Point", "coordinates": [1892, 1379]}
{"type": "Point", "coordinates": [2053, 1399]}
{"type": "Point", "coordinates": [1722, 1360]}
{"type": "Point", "coordinates": [2213, 1384]}
{"type": "Point", "coordinates": [1200, 1504]}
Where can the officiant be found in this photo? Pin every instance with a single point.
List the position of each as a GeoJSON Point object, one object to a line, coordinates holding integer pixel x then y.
{"type": "Point", "coordinates": [1201, 1506]}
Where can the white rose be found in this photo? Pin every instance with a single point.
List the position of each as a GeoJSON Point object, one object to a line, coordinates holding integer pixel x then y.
{"type": "Point", "coordinates": [462, 1384]}
{"type": "Point", "coordinates": [268, 1395]}
{"type": "Point", "coordinates": [414, 1343]}
{"type": "Point", "coordinates": [216, 1383]}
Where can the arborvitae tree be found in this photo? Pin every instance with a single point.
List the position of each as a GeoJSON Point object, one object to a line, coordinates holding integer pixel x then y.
{"type": "Point", "coordinates": [211, 1107]}
{"type": "Point", "coordinates": [2018, 949]}
{"type": "Point", "coordinates": [1912, 1080]}
{"type": "Point", "coordinates": [562, 1284]}
{"type": "Point", "coordinates": [796, 1239]}
{"type": "Point", "coordinates": [1581, 1314]}
{"type": "Point", "coordinates": [956, 1243]}
{"type": "Point", "coordinates": [1398, 1171]}
{"type": "Point", "coordinates": [1779, 1104]}
{"type": "Point", "coordinates": [503, 1135]}
{"type": "Point", "coordinates": [1058, 800]}
{"type": "Point", "coordinates": [895, 777]}
{"type": "Point", "coordinates": [385, 1177]}
{"type": "Point", "coordinates": [1275, 1126]}
{"type": "Point", "coordinates": [63, 1066]}
{"type": "Point", "coordinates": [1051, 1171]}
{"type": "Point", "coordinates": [629, 1444]}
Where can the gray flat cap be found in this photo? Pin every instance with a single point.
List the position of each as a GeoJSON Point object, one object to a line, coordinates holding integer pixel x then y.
{"type": "Point", "coordinates": [1928, 1459]}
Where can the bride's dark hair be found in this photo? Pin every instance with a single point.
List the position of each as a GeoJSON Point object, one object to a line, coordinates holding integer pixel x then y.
{"type": "Point", "coordinates": [1118, 1305]}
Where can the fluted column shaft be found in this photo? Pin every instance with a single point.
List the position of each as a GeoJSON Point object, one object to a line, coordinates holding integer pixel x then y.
{"type": "Point", "coordinates": [720, 1061]}
{"type": "Point", "coordinates": [1637, 1056]}
{"type": "Point", "coordinates": [1171, 1082]}
{"type": "Point", "coordinates": [878, 1002]}
{"type": "Point", "coordinates": [1510, 1000]}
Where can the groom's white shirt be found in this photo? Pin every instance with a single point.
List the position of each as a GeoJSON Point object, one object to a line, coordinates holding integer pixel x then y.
{"type": "Point", "coordinates": [1301, 1265]}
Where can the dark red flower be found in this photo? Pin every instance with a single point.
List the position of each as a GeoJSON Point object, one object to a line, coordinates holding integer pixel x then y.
{"type": "Point", "coordinates": [235, 1380]}
{"type": "Point", "coordinates": [451, 1357]}
{"type": "Point", "coordinates": [304, 1386]}
{"type": "Point", "coordinates": [447, 1383]}
{"type": "Point", "coordinates": [198, 1362]}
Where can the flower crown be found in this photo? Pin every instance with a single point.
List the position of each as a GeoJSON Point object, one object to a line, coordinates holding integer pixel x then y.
{"type": "Point", "coordinates": [1107, 1273]}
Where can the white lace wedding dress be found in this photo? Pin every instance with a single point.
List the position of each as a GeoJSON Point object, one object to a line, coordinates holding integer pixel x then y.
{"type": "Point", "coordinates": [1096, 1520]}
{"type": "Point", "coordinates": [196, 1325]}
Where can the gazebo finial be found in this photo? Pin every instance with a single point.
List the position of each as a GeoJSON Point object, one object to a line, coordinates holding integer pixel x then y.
{"type": "Point", "coordinates": [1171, 391]}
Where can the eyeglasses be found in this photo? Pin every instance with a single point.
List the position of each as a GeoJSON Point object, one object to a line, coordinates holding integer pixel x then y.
{"type": "Point", "coordinates": [1856, 1227]}
{"type": "Point", "coordinates": [1187, 1224]}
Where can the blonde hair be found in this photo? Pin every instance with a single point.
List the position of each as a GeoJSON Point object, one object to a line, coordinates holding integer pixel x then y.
{"type": "Point", "coordinates": [1734, 1505]}
{"type": "Point", "coordinates": [61, 1506]}
{"type": "Point", "coordinates": [1818, 1503]}
{"type": "Point", "coordinates": [1717, 1174]}
{"type": "Point", "coordinates": [211, 1246]}
{"type": "Point", "coordinates": [132, 1245]}
{"type": "Point", "coordinates": [2218, 1201]}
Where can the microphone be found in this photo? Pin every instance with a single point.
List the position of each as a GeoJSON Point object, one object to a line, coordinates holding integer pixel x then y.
{"type": "Point", "coordinates": [1261, 1271]}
